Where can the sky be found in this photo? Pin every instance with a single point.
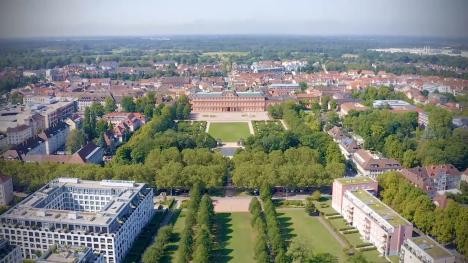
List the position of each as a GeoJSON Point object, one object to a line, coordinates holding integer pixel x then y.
{"type": "Point", "coordinates": [64, 18]}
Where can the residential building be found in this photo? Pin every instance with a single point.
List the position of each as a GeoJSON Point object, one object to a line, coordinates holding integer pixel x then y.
{"type": "Point", "coordinates": [18, 134]}
{"type": "Point", "coordinates": [6, 189]}
{"type": "Point", "coordinates": [370, 165]}
{"type": "Point", "coordinates": [282, 89]}
{"type": "Point", "coordinates": [376, 222]}
{"type": "Point", "coordinates": [55, 137]}
{"type": "Point", "coordinates": [347, 107]}
{"type": "Point", "coordinates": [104, 216]}
{"type": "Point", "coordinates": [393, 104]}
{"type": "Point", "coordinates": [64, 254]}
{"type": "Point", "coordinates": [9, 253]}
{"type": "Point", "coordinates": [434, 178]}
{"type": "Point", "coordinates": [32, 146]}
{"type": "Point", "coordinates": [424, 249]}
{"type": "Point", "coordinates": [91, 153]}
{"type": "Point", "coordinates": [341, 185]}
{"type": "Point", "coordinates": [227, 101]}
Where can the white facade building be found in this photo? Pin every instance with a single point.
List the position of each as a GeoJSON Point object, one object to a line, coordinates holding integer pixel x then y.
{"type": "Point", "coordinates": [105, 216]}
{"type": "Point", "coordinates": [376, 222]}
{"type": "Point", "coordinates": [423, 249]}
{"type": "Point", "coordinates": [9, 253]}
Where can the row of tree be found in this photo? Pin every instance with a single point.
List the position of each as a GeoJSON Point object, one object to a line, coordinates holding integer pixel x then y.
{"type": "Point", "coordinates": [155, 252]}
{"type": "Point", "coordinates": [270, 245]}
{"type": "Point", "coordinates": [447, 225]}
{"type": "Point", "coordinates": [196, 242]}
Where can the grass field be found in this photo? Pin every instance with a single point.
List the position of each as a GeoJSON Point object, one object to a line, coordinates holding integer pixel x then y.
{"type": "Point", "coordinates": [229, 131]}
{"type": "Point", "coordinates": [236, 238]}
{"type": "Point", "coordinates": [298, 224]}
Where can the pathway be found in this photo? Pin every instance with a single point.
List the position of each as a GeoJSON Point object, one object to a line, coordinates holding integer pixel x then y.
{"type": "Point", "coordinates": [251, 129]}
{"type": "Point", "coordinates": [333, 233]}
{"type": "Point", "coordinates": [284, 124]}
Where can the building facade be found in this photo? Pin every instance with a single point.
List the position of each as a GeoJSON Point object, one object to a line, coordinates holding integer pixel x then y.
{"type": "Point", "coordinates": [105, 216]}
{"type": "Point", "coordinates": [228, 101]}
{"type": "Point", "coordinates": [6, 189]}
{"type": "Point", "coordinates": [341, 185]}
{"type": "Point", "coordinates": [423, 249]}
{"type": "Point", "coordinates": [376, 222]}
{"type": "Point", "coordinates": [369, 165]}
{"type": "Point", "coordinates": [434, 178]}
{"type": "Point", "coordinates": [9, 253]}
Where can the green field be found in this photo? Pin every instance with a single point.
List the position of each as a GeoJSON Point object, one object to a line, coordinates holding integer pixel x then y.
{"type": "Point", "coordinates": [236, 238]}
{"type": "Point", "coordinates": [298, 224]}
{"type": "Point", "coordinates": [229, 131]}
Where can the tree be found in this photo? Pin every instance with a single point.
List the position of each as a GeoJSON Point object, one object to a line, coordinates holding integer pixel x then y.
{"type": "Point", "coordinates": [203, 245]}
{"type": "Point", "coordinates": [316, 195]}
{"type": "Point", "coordinates": [16, 98]}
{"type": "Point", "coordinates": [298, 252]}
{"type": "Point", "coordinates": [109, 105]}
{"type": "Point", "coordinates": [97, 109]}
{"type": "Point", "coordinates": [265, 192]}
{"type": "Point", "coordinates": [75, 140]}
{"type": "Point", "coordinates": [303, 86]}
{"type": "Point", "coordinates": [128, 104]}
{"type": "Point", "coordinates": [310, 206]}
{"type": "Point", "coordinates": [89, 124]}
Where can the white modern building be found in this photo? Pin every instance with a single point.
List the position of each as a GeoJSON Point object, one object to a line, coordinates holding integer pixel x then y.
{"type": "Point", "coordinates": [423, 249]}
{"type": "Point", "coordinates": [105, 216]}
{"type": "Point", "coordinates": [9, 253]}
{"type": "Point", "coordinates": [64, 254]}
{"type": "Point", "coordinates": [376, 222]}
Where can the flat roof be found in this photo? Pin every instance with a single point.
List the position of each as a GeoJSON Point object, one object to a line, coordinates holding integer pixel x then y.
{"type": "Point", "coordinates": [355, 180]}
{"type": "Point", "coordinates": [432, 248]}
{"type": "Point", "coordinates": [381, 209]}
{"type": "Point", "coordinates": [120, 194]}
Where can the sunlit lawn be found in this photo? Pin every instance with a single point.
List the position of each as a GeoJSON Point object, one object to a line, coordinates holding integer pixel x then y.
{"type": "Point", "coordinates": [236, 238]}
{"type": "Point", "coordinates": [297, 223]}
{"type": "Point", "coordinates": [229, 131]}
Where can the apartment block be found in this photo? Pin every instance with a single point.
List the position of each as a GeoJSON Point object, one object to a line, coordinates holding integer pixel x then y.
{"type": "Point", "coordinates": [104, 216]}
{"type": "Point", "coordinates": [341, 185]}
{"type": "Point", "coordinates": [423, 249]}
{"type": "Point", "coordinates": [377, 223]}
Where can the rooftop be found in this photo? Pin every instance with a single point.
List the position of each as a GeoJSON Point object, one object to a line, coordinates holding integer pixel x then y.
{"type": "Point", "coordinates": [355, 180]}
{"type": "Point", "coordinates": [381, 209]}
{"type": "Point", "coordinates": [36, 206]}
{"type": "Point", "coordinates": [431, 247]}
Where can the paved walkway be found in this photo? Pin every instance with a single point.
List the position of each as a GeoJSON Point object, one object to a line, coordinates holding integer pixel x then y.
{"type": "Point", "coordinates": [284, 124]}
{"type": "Point", "coordinates": [251, 129]}
{"type": "Point", "coordinates": [333, 233]}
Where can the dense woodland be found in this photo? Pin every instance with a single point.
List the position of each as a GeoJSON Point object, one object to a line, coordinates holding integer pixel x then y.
{"type": "Point", "coordinates": [448, 225]}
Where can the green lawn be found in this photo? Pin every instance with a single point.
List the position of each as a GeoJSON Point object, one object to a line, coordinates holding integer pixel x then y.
{"type": "Point", "coordinates": [229, 131]}
{"type": "Point", "coordinates": [295, 222]}
{"type": "Point", "coordinates": [236, 238]}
